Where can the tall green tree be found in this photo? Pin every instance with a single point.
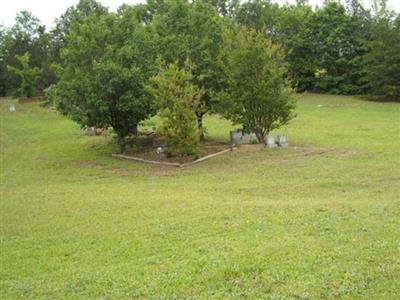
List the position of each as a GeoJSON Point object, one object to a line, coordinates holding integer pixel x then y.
{"type": "Point", "coordinates": [74, 14]}
{"type": "Point", "coordinates": [192, 31]}
{"type": "Point", "coordinates": [382, 68]}
{"type": "Point", "coordinates": [337, 46]}
{"type": "Point", "coordinates": [293, 34]}
{"type": "Point", "coordinates": [257, 94]}
{"type": "Point", "coordinates": [26, 35]}
{"type": "Point", "coordinates": [107, 62]}
{"type": "Point", "coordinates": [177, 99]}
{"type": "Point", "coordinates": [3, 63]}
{"type": "Point", "coordinates": [28, 75]}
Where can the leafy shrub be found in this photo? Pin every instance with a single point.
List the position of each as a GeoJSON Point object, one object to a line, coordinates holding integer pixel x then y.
{"type": "Point", "coordinates": [257, 94]}
{"type": "Point", "coordinates": [103, 77]}
{"type": "Point", "coordinates": [28, 75]}
{"type": "Point", "coordinates": [176, 98]}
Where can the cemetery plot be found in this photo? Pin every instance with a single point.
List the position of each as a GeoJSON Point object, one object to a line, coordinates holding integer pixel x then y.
{"type": "Point", "coordinates": [152, 150]}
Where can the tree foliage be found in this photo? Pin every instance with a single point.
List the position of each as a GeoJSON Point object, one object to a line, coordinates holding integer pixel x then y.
{"type": "Point", "coordinates": [292, 33]}
{"type": "Point", "coordinates": [257, 94]}
{"type": "Point", "coordinates": [192, 31]}
{"type": "Point", "coordinates": [382, 67]}
{"type": "Point", "coordinates": [327, 48]}
{"type": "Point", "coordinates": [102, 80]}
{"type": "Point", "coordinates": [73, 14]}
{"type": "Point", "coordinates": [177, 99]}
{"type": "Point", "coordinates": [3, 63]}
{"type": "Point", "coordinates": [28, 75]}
{"type": "Point", "coordinates": [26, 36]}
{"type": "Point", "coordinates": [337, 46]}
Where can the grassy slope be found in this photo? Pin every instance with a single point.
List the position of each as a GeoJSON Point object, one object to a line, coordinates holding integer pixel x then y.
{"type": "Point", "coordinates": [279, 224]}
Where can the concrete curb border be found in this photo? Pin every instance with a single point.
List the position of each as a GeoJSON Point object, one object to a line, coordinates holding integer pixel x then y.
{"type": "Point", "coordinates": [155, 162]}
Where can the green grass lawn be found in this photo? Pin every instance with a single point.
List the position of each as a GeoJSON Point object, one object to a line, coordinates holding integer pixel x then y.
{"type": "Point", "coordinates": [296, 223]}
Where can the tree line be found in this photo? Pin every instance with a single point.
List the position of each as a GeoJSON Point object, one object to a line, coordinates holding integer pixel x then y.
{"type": "Point", "coordinates": [183, 59]}
{"type": "Point", "coordinates": [336, 48]}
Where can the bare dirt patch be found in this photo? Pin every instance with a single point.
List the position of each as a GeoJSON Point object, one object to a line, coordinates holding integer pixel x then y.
{"type": "Point", "coordinates": [146, 149]}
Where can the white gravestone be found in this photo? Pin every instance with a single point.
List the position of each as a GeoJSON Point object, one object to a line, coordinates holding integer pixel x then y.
{"type": "Point", "coordinates": [282, 140]}
{"type": "Point", "coordinates": [238, 137]}
{"type": "Point", "coordinates": [270, 142]}
{"type": "Point", "coordinates": [89, 131]}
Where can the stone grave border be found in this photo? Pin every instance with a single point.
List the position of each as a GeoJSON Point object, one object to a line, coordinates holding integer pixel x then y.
{"type": "Point", "coordinates": [171, 164]}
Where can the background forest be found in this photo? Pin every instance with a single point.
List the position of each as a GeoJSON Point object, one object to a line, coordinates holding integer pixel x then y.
{"type": "Point", "coordinates": [336, 48]}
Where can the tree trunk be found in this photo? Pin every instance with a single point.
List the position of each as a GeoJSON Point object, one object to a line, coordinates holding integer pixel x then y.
{"type": "Point", "coordinates": [135, 130]}
{"type": "Point", "coordinates": [200, 126]}
{"type": "Point", "coordinates": [122, 144]}
{"type": "Point", "coordinates": [260, 137]}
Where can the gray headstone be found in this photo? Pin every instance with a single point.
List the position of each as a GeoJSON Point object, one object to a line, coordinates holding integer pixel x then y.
{"type": "Point", "coordinates": [159, 150]}
{"type": "Point", "coordinates": [282, 140]}
{"type": "Point", "coordinates": [249, 138]}
{"type": "Point", "coordinates": [238, 137]}
{"type": "Point", "coordinates": [270, 142]}
{"type": "Point", "coordinates": [90, 131]}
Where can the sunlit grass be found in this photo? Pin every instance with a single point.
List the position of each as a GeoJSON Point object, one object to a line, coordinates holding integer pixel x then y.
{"type": "Point", "coordinates": [282, 224]}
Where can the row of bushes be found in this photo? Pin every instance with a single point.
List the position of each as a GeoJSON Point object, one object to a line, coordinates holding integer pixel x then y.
{"type": "Point", "coordinates": [113, 77]}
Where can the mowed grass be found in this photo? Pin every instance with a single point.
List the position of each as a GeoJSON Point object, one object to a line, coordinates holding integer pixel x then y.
{"type": "Point", "coordinates": [319, 220]}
